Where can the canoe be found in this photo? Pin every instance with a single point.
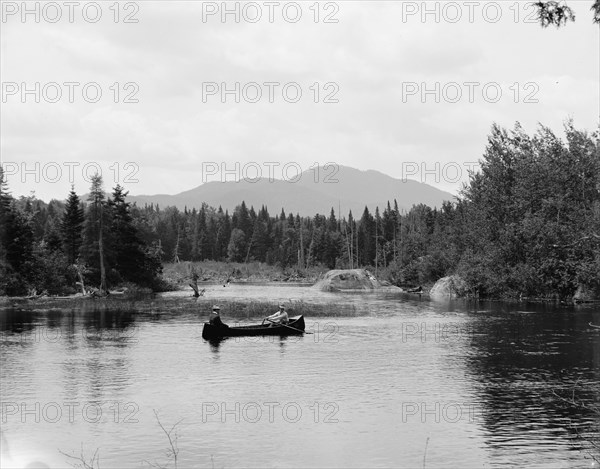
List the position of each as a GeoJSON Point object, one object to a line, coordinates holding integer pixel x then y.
{"type": "Point", "coordinates": [294, 327]}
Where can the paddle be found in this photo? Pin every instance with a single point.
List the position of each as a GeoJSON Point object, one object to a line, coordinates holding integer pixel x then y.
{"type": "Point", "coordinates": [289, 327]}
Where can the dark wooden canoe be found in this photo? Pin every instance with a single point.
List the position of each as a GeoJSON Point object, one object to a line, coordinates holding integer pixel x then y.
{"type": "Point", "coordinates": [294, 327]}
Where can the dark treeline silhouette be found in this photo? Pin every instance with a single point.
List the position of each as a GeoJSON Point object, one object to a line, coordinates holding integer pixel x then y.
{"type": "Point", "coordinates": [61, 247]}
{"type": "Point", "coordinates": [527, 224]}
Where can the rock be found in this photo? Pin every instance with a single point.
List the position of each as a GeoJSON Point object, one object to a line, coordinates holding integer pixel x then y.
{"type": "Point", "coordinates": [449, 287]}
{"type": "Point", "coordinates": [350, 279]}
{"type": "Point", "coordinates": [586, 293]}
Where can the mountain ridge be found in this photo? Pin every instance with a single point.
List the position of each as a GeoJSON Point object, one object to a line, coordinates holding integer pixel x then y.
{"type": "Point", "coordinates": [347, 189]}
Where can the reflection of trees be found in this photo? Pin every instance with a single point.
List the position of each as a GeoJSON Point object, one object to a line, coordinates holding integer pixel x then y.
{"type": "Point", "coordinates": [589, 435]}
{"type": "Point", "coordinates": [14, 322]}
{"type": "Point", "coordinates": [105, 337]}
{"type": "Point", "coordinates": [523, 362]}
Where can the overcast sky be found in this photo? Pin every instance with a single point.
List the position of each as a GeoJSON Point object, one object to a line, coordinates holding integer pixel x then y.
{"type": "Point", "coordinates": [373, 63]}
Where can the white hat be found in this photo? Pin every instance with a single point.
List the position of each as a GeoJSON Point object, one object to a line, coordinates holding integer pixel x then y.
{"type": "Point", "coordinates": [216, 308]}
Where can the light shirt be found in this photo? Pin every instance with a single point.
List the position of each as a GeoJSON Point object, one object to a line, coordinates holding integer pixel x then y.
{"type": "Point", "coordinates": [280, 317]}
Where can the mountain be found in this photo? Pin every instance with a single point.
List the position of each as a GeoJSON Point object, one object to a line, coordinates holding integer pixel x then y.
{"type": "Point", "coordinates": [314, 192]}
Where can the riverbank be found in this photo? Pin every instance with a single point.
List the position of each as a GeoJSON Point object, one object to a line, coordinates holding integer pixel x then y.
{"type": "Point", "coordinates": [179, 277]}
{"type": "Point", "coordinates": [181, 273]}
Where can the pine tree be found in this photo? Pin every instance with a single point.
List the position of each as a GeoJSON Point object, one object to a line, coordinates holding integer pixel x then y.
{"type": "Point", "coordinates": [71, 226]}
{"type": "Point", "coordinates": [126, 244]}
{"type": "Point", "coordinates": [236, 249]}
{"type": "Point", "coordinates": [95, 231]}
{"type": "Point", "coordinates": [5, 213]}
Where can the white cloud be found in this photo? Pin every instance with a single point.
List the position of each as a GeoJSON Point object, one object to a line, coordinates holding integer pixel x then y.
{"type": "Point", "coordinates": [369, 53]}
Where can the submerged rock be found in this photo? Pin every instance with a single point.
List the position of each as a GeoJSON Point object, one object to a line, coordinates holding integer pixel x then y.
{"type": "Point", "coordinates": [449, 287]}
{"type": "Point", "coordinates": [351, 279]}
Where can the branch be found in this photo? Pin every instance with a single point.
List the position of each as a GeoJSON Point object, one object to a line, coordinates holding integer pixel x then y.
{"type": "Point", "coordinates": [587, 440]}
{"type": "Point", "coordinates": [583, 238]}
{"type": "Point", "coordinates": [174, 451]}
{"type": "Point", "coordinates": [596, 9]}
{"type": "Point", "coordinates": [551, 12]}
{"type": "Point", "coordinates": [81, 458]}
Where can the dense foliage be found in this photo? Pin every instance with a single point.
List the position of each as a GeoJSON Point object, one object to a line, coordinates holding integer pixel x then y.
{"type": "Point", "coordinates": [558, 13]}
{"type": "Point", "coordinates": [50, 247]}
{"type": "Point", "coordinates": [535, 214]}
{"type": "Point", "coordinates": [527, 224]}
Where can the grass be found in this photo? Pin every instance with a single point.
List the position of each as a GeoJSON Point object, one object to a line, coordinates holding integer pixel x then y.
{"type": "Point", "coordinates": [260, 309]}
{"type": "Point", "coordinates": [230, 309]}
{"type": "Point", "coordinates": [212, 271]}
{"type": "Point", "coordinates": [112, 303]}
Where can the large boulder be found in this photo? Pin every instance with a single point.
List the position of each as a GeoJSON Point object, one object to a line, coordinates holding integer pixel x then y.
{"type": "Point", "coordinates": [449, 287]}
{"type": "Point", "coordinates": [586, 294]}
{"type": "Point", "coordinates": [350, 279]}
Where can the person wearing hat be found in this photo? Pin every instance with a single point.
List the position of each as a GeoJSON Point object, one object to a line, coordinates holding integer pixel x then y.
{"type": "Point", "coordinates": [215, 318]}
{"type": "Point", "coordinates": [280, 317]}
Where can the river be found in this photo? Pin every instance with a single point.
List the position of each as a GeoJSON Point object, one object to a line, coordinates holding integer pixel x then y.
{"type": "Point", "coordinates": [384, 380]}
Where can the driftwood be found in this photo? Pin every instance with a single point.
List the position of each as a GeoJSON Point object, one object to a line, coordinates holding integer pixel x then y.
{"type": "Point", "coordinates": [33, 294]}
{"type": "Point", "coordinates": [97, 292]}
{"type": "Point", "coordinates": [89, 291]}
{"type": "Point", "coordinates": [194, 283]}
{"type": "Point", "coordinates": [197, 292]}
{"type": "Point", "coordinates": [583, 238]}
{"type": "Point", "coordinates": [79, 268]}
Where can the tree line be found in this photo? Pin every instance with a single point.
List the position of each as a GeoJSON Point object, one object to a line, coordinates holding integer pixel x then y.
{"type": "Point", "coordinates": [61, 247]}
{"type": "Point", "coordinates": [527, 223]}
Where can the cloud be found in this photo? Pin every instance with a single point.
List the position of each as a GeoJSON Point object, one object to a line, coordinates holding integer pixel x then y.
{"type": "Point", "coordinates": [370, 55]}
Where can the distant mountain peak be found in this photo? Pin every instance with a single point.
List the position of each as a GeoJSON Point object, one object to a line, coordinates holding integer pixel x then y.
{"type": "Point", "coordinates": [317, 190]}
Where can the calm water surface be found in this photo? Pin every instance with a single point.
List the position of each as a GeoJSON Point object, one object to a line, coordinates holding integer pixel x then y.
{"type": "Point", "coordinates": [386, 381]}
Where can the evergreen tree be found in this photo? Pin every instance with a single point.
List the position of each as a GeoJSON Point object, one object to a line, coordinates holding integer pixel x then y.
{"type": "Point", "coordinates": [71, 226]}
{"type": "Point", "coordinates": [366, 239]}
{"type": "Point", "coordinates": [236, 249]}
{"type": "Point", "coordinates": [5, 215]}
{"type": "Point", "coordinates": [95, 232]}
{"type": "Point", "coordinates": [134, 261]}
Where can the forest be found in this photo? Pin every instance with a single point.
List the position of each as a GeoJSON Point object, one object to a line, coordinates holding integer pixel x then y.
{"type": "Point", "coordinates": [526, 224]}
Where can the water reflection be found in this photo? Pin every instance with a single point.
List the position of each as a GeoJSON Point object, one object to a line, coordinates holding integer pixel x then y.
{"type": "Point", "coordinates": [513, 368]}
{"type": "Point", "coordinates": [216, 343]}
{"type": "Point", "coordinates": [525, 362]}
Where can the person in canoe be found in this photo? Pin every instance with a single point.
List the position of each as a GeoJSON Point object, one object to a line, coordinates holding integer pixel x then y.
{"type": "Point", "coordinates": [280, 317]}
{"type": "Point", "coordinates": [215, 317]}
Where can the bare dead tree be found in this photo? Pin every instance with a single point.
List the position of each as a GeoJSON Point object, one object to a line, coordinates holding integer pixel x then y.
{"type": "Point", "coordinates": [81, 461]}
{"type": "Point", "coordinates": [591, 444]}
{"type": "Point", "coordinates": [194, 283]}
{"type": "Point", "coordinates": [172, 450]}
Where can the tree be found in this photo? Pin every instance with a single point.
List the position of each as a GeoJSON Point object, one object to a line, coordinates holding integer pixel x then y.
{"type": "Point", "coordinates": [71, 227]}
{"type": "Point", "coordinates": [236, 249]}
{"type": "Point", "coordinates": [95, 232]}
{"type": "Point", "coordinates": [558, 13]}
{"type": "Point", "coordinates": [531, 210]}
{"type": "Point", "coordinates": [126, 244]}
{"type": "Point", "coordinates": [366, 239]}
{"type": "Point", "coordinates": [15, 243]}
{"type": "Point", "coordinates": [5, 202]}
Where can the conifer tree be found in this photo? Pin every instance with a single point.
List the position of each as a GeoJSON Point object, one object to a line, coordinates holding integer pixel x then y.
{"type": "Point", "coordinates": [71, 226]}
{"type": "Point", "coordinates": [95, 231]}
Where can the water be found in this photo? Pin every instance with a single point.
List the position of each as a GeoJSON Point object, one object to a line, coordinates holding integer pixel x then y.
{"type": "Point", "coordinates": [386, 380]}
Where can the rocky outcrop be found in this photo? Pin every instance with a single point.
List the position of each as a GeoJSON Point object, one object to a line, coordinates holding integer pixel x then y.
{"type": "Point", "coordinates": [585, 294]}
{"type": "Point", "coordinates": [351, 279]}
{"type": "Point", "coordinates": [449, 287]}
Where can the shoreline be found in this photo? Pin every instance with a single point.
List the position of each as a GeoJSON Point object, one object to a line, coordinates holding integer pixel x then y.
{"type": "Point", "coordinates": [119, 297]}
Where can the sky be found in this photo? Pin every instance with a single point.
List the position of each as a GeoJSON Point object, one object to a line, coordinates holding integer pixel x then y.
{"type": "Point", "coordinates": [160, 97]}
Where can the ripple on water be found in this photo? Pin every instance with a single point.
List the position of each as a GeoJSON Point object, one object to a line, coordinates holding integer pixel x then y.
{"type": "Point", "coordinates": [380, 380]}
